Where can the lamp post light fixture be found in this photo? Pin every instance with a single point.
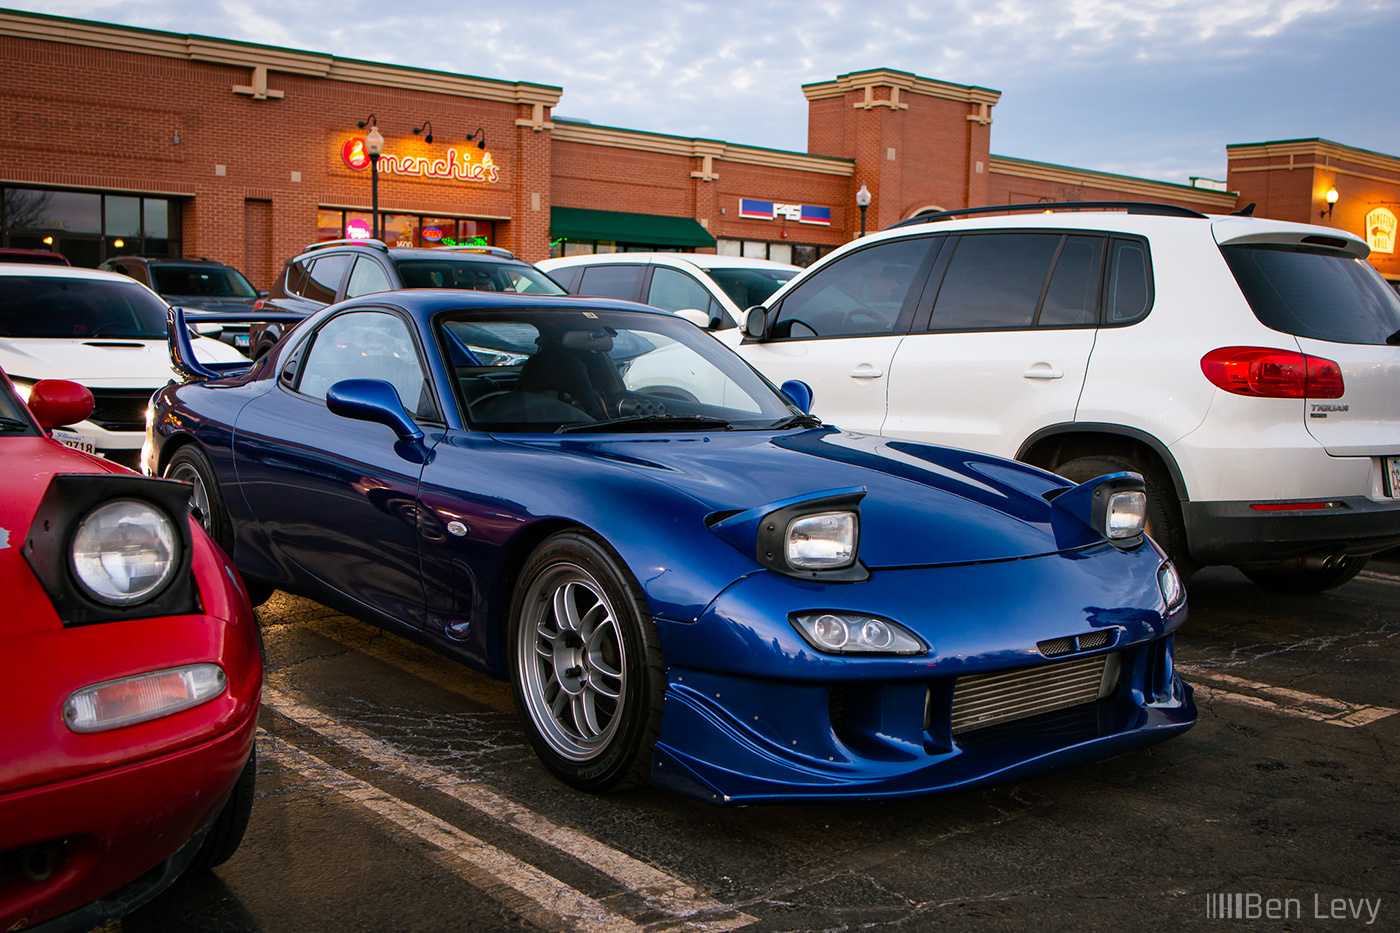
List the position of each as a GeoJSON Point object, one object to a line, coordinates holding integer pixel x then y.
{"type": "Point", "coordinates": [374, 147]}
{"type": "Point", "coordinates": [1331, 198]}
{"type": "Point", "coordinates": [862, 202]}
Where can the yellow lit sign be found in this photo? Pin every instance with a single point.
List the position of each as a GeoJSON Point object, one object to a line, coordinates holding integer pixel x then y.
{"type": "Point", "coordinates": [1380, 231]}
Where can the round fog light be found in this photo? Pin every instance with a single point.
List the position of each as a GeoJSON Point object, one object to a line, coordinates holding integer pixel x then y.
{"type": "Point", "coordinates": [831, 631]}
{"type": "Point", "coordinates": [875, 634]}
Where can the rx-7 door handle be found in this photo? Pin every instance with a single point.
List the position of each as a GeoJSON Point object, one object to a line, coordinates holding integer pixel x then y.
{"type": "Point", "coordinates": [1043, 371]}
{"type": "Point", "coordinates": [866, 371]}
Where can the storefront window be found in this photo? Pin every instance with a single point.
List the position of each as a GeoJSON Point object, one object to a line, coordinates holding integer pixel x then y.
{"type": "Point", "coordinates": [404, 229]}
{"type": "Point", "coordinates": [88, 228]}
{"type": "Point", "coordinates": [798, 254]}
{"type": "Point", "coordinates": [329, 225]}
{"type": "Point", "coordinates": [122, 217]}
{"type": "Point", "coordinates": [161, 218]}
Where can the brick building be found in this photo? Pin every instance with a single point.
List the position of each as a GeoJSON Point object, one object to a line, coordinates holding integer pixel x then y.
{"type": "Point", "coordinates": [122, 140]}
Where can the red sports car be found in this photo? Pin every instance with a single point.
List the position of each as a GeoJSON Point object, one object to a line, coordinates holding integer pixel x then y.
{"type": "Point", "coordinates": [130, 672]}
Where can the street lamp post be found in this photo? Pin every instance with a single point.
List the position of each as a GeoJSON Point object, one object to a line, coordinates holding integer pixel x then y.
{"type": "Point", "coordinates": [862, 202]}
{"type": "Point", "coordinates": [374, 145]}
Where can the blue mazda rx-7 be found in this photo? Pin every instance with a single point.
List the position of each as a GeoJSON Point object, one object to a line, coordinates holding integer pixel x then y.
{"type": "Point", "coordinates": [687, 578]}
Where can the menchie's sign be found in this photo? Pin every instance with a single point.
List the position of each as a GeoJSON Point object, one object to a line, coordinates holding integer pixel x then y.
{"type": "Point", "coordinates": [471, 165]}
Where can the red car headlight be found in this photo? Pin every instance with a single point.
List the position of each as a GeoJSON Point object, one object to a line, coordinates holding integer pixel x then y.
{"type": "Point", "coordinates": [130, 700]}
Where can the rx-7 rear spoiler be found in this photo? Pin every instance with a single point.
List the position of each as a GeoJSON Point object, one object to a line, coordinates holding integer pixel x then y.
{"type": "Point", "coordinates": [182, 357]}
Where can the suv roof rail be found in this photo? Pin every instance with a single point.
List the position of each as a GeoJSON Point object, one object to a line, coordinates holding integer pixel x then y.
{"type": "Point", "coordinates": [469, 248]}
{"type": "Point", "coordinates": [1131, 207]}
{"type": "Point", "coordinates": [373, 244]}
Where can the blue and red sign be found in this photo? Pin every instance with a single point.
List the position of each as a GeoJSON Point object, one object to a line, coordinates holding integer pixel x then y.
{"type": "Point", "coordinates": [754, 209]}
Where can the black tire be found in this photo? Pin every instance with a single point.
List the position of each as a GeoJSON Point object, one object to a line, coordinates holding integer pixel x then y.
{"type": "Point", "coordinates": [191, 465]}
{"type": "Point", "coordinates": [589, 686]}
{"type": "Point", "coordinates": [1306, 581]}
{"type": "Point", "coordinates": [1164, 522]}
{"type": "Point", "coordinates": [232, 822]}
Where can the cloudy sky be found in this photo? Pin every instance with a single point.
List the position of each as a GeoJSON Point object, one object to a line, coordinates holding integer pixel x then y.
{"type": "Point", "coordinates": [1155, 89]}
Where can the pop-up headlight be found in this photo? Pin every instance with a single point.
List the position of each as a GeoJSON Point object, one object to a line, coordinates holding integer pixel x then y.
{"type": "Point", "coordinates": [1113, 506]}
{"type": "Point", "coordinates": [825, 541]}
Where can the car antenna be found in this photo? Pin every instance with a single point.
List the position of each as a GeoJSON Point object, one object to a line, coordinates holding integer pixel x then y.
{"type": "Point", "coordinates": [1246, 211]}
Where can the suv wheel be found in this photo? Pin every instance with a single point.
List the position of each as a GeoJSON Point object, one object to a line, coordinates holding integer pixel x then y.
{"type": "Point", "coordinates": [1306, 581]}
{"type": "Point", "coordinates": [1163, 508]}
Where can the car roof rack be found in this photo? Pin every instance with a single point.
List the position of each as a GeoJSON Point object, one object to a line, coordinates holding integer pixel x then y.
{"type": "Point", "coordinates": [373, 244]}
{"type": "Point", "coordinates": [470, 248]}
{"type": "Point", "coordinates": [1131, 207]}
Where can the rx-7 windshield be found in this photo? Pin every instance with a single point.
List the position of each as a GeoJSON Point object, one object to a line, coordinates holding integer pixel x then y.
{"type": "Point", "coordinates": [596, 370]}
{"type": "Point", "coordinates": [36, 306]}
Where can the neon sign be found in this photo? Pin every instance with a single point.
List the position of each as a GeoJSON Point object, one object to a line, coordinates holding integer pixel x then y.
{"type": "Point", "coordinates": [470, 165]}
{"type": "Point", "coordinates": [1380, 231]}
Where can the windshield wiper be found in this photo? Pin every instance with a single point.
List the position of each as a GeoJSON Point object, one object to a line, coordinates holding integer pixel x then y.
{"type": "Point", "coordinates": [1394, 339]}
{"type": "Point", "coordinates": [13, 424]}
{"type": "Point", "coordinates": [797, 421]}
{"type": "Point", "coordinates": [646, 422]}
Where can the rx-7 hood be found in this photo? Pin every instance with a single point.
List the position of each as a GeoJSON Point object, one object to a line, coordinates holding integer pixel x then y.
{"type": "Point", "coordinates": [108, 362]}
{"type": "Point", "coordinates": [923, 505]}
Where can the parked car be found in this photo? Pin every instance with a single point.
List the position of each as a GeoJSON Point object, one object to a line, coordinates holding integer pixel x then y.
{"type": "Point", "coordinates": [99, 329]}
{"type": "Point", "coordinates": [1246, 368]}
{"type": "Point", "coordinates": [335, 270]}
{"type": "Point", "coordinates": [8, 254]}
{"type": "Point", "coordinates": [717, 594]}
{"type": "Point", "coordinates": [129, 673]}
{"type": "Point", "coordinates": [710, 291]}
{"type": "Point", "coordinates": [206, 288]}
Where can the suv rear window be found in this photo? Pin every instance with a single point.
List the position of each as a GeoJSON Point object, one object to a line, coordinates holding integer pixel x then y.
{"type": "Point", "coordinates": [207, 281]}
{"type": "Point", "coordinates": [1316, 293]}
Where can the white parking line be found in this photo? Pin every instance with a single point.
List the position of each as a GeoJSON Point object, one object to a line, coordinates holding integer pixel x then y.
{"type": "Point", "coordinates": [1377, 575]}
{"type": "Point", "coordinates": [661, 891]}
{"type": "Point", "coordinates": [1290, 702]}
{"type": "Point", "coordinates": [546, 900]}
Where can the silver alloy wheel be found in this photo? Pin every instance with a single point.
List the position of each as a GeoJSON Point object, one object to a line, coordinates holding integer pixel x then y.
{"type": "Point", "coordinates": [199, 495]}
{"type": "Point", "coordinates": [572, 659]}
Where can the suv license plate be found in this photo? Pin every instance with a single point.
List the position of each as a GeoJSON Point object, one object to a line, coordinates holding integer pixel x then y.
{"type": "Point", "coordinates": [75, 440]}
{"type": "Point", "coordinates": [240, 340]}
{"type": "Point", "coordinates": [1392, 476]}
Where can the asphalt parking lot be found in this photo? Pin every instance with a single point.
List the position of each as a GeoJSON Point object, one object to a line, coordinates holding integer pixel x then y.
{"type": "Point", "coordinates": [396, 792]}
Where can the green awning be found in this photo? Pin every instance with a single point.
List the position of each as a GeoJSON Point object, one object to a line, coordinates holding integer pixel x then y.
{"type": "Point", "coordinates": [577, 223]}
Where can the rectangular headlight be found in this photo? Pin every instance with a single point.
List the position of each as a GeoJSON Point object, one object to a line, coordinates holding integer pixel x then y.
{"type": "Point", "coordinates": [1126, 515]}
{"type": "Point", "coordinates": [822, 541]}
{"type": "Point", "coordinates": [130, 700]}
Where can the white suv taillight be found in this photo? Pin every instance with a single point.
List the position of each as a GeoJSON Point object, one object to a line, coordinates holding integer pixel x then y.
{"type": "Point", "coordinates": [1266, 373]}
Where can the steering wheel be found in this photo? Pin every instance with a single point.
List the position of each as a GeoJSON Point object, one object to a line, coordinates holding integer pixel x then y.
{"type": "Point", "coordinates": [849, 321]}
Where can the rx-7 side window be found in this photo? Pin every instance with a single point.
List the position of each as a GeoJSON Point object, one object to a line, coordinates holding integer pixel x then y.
{"type": "Point", "coordinates": [367, 345]}
{"type": "Point", "coordinates": [864, 293]}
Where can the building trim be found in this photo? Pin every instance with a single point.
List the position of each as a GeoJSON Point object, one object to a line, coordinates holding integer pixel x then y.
{"type": "Point", "coordinates": [250, 55]}
{"type": "Point", "coordinates": [1312, 149]}
{"type": "Point", "coordinates": [591, 134]}
{"type": "Point", "coordinates": [899, 81]}
{"type": "Point", "coordinates": [1062, 174]}
{"type": "Point", "coordinates": [98, 183]}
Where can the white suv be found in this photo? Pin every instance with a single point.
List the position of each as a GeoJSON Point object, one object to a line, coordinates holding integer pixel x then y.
{"type": "Point", "coordinates": [1247, 368]}
{"type": "Point", "coordinates": [99, 329]}
{"type": "Point", "coordinates": [709, 291]}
